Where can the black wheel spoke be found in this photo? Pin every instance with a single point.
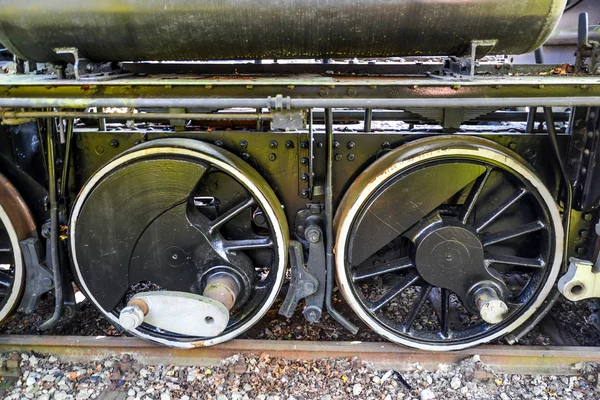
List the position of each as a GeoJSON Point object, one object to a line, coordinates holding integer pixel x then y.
{"type": "Point", "coordinates": [5, 279]}
{"type": "Point", "coordinates": [391, 294]}
{"type": "Point", "coordinates": [445, 311]}
{"type": "Point", "coordinates": [247, 244]}
{"type": "Point", "coordinates": [499, 210]}
{"type": "Point", "coordinates": [536, 263]}
{"type": "Point", "coordinates": [416, 309]}
{"type": "Point", "coordinates": [230, 214]}
{"type": "Point", "coordinates": [498, 237]}
{"type": "Point", "coordinates": [474, 194]}
{"type": "Point", "coordinates": [400, 264]}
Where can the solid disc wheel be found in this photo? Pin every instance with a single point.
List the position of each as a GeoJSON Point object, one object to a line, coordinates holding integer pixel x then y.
{"type": "Point", "coordinates": [435, 236]}
{"type": "Point", "coordinates": [16, 224]}
{"type": "Point", "coordinates": [171, 214]}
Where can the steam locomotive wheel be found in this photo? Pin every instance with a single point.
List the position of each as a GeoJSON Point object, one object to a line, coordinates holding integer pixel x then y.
{"type": "Point", "coordinates": [447, 243]}
{"type": "Point", "coordinates": [179, 242]}
{"type": "Point", "coordinates": [16, 224]}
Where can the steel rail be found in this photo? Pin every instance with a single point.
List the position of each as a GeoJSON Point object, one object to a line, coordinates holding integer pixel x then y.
{"type": "Point", "coordinates": [289, 103]}
{"type": "Point", "coordinates": [383, 356]}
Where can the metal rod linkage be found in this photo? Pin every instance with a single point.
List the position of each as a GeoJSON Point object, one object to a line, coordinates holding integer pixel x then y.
{"type": "Point", "coordinates": [329, 228]}
{"type": "Point", "coordinates": [53, 256]}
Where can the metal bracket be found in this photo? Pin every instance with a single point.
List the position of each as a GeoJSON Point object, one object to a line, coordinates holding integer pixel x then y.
{"type": "Point", "coordinates": [83, 67]}
{"type": "Point", "coordinates": [464, 67]}
{"type": "Point", "coordinates": [316, 266]}
{"type": "Point", "coordinates": [302, 284]}
{"type": "Point", "coordinates": [39, 278]}
{"type": "Point", "coordinates": [580, 282]}
{"type": "Point", "coordinates": [586, 49]}
{"type": "Point", "coordinates": [288, 119]}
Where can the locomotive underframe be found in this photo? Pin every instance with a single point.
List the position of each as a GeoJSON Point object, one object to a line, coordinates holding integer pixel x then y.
{"type": "Point", "coordinates": [294, 162]}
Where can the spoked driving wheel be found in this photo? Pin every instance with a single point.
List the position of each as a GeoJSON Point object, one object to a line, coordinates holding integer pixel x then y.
{"type": "Point", "coordinates": [179, 242]}
{"type": "Point", "coordinates": [16, 224]}
{"type": "Point", "coordinates": [447, 243]}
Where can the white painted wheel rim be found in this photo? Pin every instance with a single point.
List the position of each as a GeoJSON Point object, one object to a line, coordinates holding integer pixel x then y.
{"type": "Point", "coordinates": [350, 212]}
{"type": "Point", "coordinates": [166, 147]}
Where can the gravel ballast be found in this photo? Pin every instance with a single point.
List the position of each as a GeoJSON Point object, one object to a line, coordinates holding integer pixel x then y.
{"type": "Point", "coordinates": [264, 378]}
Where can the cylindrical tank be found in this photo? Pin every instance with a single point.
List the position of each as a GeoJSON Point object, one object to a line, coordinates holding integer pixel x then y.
{"type": "Point", "coordinates": [137, 30]}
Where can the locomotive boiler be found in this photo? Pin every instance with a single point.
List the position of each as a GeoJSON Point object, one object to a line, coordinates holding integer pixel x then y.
{"type": "Point", "coordinates": [190, 165]}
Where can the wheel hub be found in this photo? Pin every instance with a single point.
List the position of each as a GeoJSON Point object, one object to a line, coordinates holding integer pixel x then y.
{"type": "Point", "coordinates": [451, 256]}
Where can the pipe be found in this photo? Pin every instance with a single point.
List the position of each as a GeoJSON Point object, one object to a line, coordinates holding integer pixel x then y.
{"type": "Point", "coordinates": [368, 120]}
{"type": "Point", "coordinates": [67, 160]}
{"type": "Point", "coordinates": [130, 116]}
{"type": "Point", "coordinates": [287, 102]}
{"type": "Point", "coordinates": [56, 267]}
{"type": "Point", "coordinates": [531, 120]}
{"type": "Point", "coordinates": [567, 182]}
{"type": "Point", "coordinates": [329, 228]}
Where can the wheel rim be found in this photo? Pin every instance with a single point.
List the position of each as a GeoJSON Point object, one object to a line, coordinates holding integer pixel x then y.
{"type": "Point", "coordinates": [16, 224]}
{"type": "Point", "coordinates": [222, 162]}
{"type": "Point", "coordinates": [396, 309]}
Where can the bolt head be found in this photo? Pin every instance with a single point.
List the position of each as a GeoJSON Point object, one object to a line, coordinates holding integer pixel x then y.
{"type": "Point", "coordinates": [494, 311]}
{"type": "Point", "coordinates": [313, 235]}
{"type": "Point", "coordinates": [273, 144]}
{"type": "Point", "coordinates": [131, 317]}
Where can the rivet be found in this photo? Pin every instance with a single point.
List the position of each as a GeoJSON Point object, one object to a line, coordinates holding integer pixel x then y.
{"type": "Point", "coordinates": [114, 143]}
{"type": "Point", "coordinates": [350, 145]}
{"type": "Point", "coordinates": [350, 157]}
{"type": "Point", "coordinates": [243, 144]}
{"type": "Point", "coordinates": [289, 144]}
{"type": "Point", "coordinates": [338, 157]}
{"type": "Point", "coordinates": [272, 157]}
{"type": "Point", "coordinates": [273, 144]}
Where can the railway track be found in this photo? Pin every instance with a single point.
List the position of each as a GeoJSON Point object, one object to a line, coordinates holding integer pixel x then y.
{"type": "Point", "coordinates": [528, 360]}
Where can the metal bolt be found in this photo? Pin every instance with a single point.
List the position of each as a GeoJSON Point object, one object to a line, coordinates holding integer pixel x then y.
{"type": "Point", "coordinates": [350, 157]}
{"type": "Point", "coordinates": [320, 145]}
{"type": "Point", "coordinates": [491, 308]}
{"type": "Point", "coordinates": [304, 177]}
{"type": "Point", "coordinates": [245, 156]}
{"type": "Point", "coordinates": [273, 144]}
{"type": "Point", "coordinates": [350, 145]}
{"type": "Point", "coordinates": [304, 145]}
{"type": "Point", "coordinates": [309, 287]}
{"type": "Point", "coordinates": [272, 157]}
{"type": "Point", "coordinates": [584, 233]}
{"type": "Point", "coordinates": [304, 194]}
{"type": "Point", "coordinates": [311, 315]}
{"type": "Point", "coordinates": [304, 160]}
{"type": "Point", "coordinates": [385, 145]}
{"type": "Point", "coordinates": [243, 144]}
{"type": "Point", "coordinates": [581, 251]}
{"type": "Point", "coordinates": [338, 157]}
{"type": "Point", "coordinates": [137, 142]}
{"type": "Point", "coordinates": [313, 235]}
{"type": "Point", "coordinates": [587, 216]}
{"type": "Point", "coordinates": [512, 146]}
{"type": "Point", "coordinates": [351, 92]}
{"type": "Point", "coordinates": [336, 144]}
{"type": "Point", "coordinates": [289, 144]}
{"type": "Point", "coordinates": [218, 143]}
{"type": "Point", "coordinates": [114, 143]}
{"type": "Point", "coordinates": [323, 92]}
